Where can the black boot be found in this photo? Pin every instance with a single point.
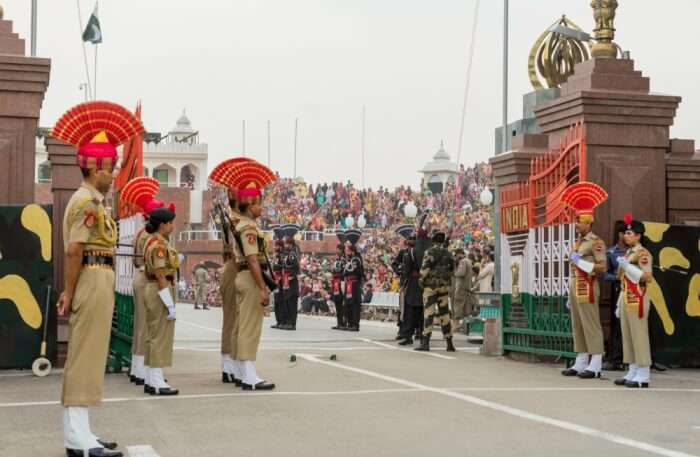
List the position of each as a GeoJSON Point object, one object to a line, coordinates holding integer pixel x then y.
{"type": "Point", "coordinates": [450, 346]}
{"type": "Point", "coordinates": [406, 341]}
{"type": "Point", "coordinates": [424, 344]}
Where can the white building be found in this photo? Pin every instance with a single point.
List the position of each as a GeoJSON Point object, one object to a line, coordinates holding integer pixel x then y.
{"type": "Point", "coordinates": [440, 171]}
{"type": "Point", "coordinates": [178, 159]}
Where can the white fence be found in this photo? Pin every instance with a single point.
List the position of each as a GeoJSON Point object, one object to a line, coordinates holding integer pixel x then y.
{"type": "Point", "coordinates": [124, 266]}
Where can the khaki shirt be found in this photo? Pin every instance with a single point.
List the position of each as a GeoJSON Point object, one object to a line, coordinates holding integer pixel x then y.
{"type": "Point", "coordinates": [591, 248]}
{"type": "Point", "coordinates": [584, 286]}
{"type": "Point", "coordinates": [252, 241]}
{"type": "Point", "coordinates": [87, 222]}
{"type": "Point", "coordinates": [159, 255]}
{"type": "Point", "coordinates": [139, 246]}
{"type": "Point", "coordinates": [634, 294]}
{"type": "Point", "coordinates": [462, 280]}
{"type": "Point", "coordinates": [201, 276]}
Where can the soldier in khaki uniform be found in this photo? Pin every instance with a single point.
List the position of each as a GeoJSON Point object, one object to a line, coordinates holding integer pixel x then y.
{"type": "Point", "coordinates": [587, 260]}
{"type": "Point", "coordinates": [461, 294]}
{"type": "Point", "coordinates": [230, 371]}
{"type": "Point", "coordinates": [222, 174]}
{"type": "Point", "coordinates": [633, 306]}
{"type": "Point", "coordinates": [140, 192]}
{"type": "Point", "coordinates": [201, 278]}
{"type": "Point", "coordinates": [89, 237]}
{"type": "Point", "coordinates": [162, 263]}
{"type": "Point", "coordinates": [252, 287]}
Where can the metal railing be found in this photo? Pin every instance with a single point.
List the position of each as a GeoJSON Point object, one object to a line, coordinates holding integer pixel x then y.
{"type": "Point", "coordinates": [199, 235]}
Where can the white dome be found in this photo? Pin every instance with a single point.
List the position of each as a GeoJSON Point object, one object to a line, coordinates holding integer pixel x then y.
{"type": "Point", "coordinates": [441, 154]}
{"type": "Point", "coordinates": [441, 162]}
{"type": "Point", "coordinates": [183, 124]}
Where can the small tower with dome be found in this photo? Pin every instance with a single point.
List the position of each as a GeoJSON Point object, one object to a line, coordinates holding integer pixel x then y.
{"type": "Point", "coordinates": [176, 159]}
{"type": "Point", "coordinates": [440, 171]}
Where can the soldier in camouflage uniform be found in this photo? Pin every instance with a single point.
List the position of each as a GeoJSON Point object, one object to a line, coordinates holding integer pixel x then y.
{"type": "Point", "coordinates": [435, 278]}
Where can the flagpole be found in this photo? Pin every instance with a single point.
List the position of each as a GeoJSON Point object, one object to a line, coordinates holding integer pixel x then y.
{"type": "Point", "coordinates": [85, 59]}
{"type": "Point", "coordinates": [296, 133]}
{"type": "Point", "coordinates": [363, 145]}
{"type": "Point", "coordinates": [243, 134]}
{"type": "Point", "coordinates": [94, 94]}
{"type": "Point", "coordinates": [268, 144]}
{"type": "Point", "coordinates": [34, 19]}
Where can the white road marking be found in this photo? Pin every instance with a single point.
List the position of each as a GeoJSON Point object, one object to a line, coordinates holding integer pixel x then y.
{"type": "Point", "coordinates": [570, 426]}
{"type": "Point", "coordinates": [222, 395]}
{"type": "Point", "coordinates": [363, 322]}
{"type": "Point", "coordinates": [389, 346]}
{"type": "Point", "coordinates": [569, 389]}
{"type": "Point", "coordinates": [287, 348]}
{"type": "Point", "coordinates": [181, 321]}
{"type": "Point", "coordinates": [141, 450]}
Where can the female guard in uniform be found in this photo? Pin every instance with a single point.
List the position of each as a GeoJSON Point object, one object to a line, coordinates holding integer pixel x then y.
{"type": "Point", "coordinates": [162, 263]}
{"type": "Point", "coordinates": [633, 306]}
{"type": "Point", "coordinates": [140, 192]}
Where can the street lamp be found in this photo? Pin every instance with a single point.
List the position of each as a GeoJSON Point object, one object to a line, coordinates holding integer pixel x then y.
{"type": "Point", "coordinates": [486, 197]}
{"type": "Point", "coordinates": [410, 210]}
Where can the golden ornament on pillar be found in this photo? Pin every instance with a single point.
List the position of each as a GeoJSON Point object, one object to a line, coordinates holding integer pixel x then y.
{"type": "Point", "coordinates": [554, 55]}
{"type": "Point", "coordinates": [604, 31]}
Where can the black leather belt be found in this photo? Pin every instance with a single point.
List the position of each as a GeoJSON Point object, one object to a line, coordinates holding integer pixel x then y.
{"type": "Point", "coordinates": [169, 278]}
{"type": "Point", "coordinates": [244, 266]}
{"type": "Point", "coordinates": [98, 260]}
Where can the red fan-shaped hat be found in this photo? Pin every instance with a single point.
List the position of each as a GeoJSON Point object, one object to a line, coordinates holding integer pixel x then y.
{"type": "Point", "coordinates": [141, 192]}
{"type": "Point", "coordinates": [584, 197]}
{"type": "Point", "coordinates": [96, 129]}
{"type": "Point", "coordinates": [250, 178]}
{"type": "Point", "coordinates": [223, 173]}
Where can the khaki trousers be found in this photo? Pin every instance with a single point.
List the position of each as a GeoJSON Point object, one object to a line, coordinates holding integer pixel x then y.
{"type": "Point", "coordinates": [228, 306]}
{"type": "Point", "coordinates": [139, 345]}
{"type": "Point", "coordinates": [585, 323]}
{"type": "Point", "coordinates": [161, 331]}
{"type": "Point", "coordinates": [635, 333]}
{"type": "Point", "coordinates": [248, 326]}
{"type": "Point", "coordinates": [89, 330]}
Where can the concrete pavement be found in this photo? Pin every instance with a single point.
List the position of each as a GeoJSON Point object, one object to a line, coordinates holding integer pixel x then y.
{"type": "Point", "coordinates": [374, 400]}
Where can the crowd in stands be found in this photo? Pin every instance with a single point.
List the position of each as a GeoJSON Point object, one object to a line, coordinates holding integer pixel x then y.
{"type": "Point", "coordinates": [329, 207]}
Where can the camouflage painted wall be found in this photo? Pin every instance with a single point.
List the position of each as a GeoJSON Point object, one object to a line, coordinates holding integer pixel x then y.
{"type": "Point", "coordinates": [25, 273]}
{"type": "Point", "coordinates": [675, 292]}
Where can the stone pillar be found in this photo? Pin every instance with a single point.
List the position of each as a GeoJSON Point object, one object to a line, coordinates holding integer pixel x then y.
{"type": "Point", "coordinates": [514, 165]}
{"type": "Point", "coordinates": [65, 180]}
{"type": "Point", "coordinates": [627, 136]}
{"type": "Point", "coordinates": [23, 82]}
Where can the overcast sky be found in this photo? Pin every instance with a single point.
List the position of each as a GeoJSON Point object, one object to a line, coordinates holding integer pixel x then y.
{"type": "Point", "coordinates": [321, 60]}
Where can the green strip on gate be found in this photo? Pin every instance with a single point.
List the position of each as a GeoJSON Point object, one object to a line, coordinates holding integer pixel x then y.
{"type": "Point", "coordinates": [537, 325]}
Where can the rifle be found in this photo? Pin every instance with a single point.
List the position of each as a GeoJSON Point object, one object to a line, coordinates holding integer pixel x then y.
{"type": "Point", "coordinates": [267, 275]}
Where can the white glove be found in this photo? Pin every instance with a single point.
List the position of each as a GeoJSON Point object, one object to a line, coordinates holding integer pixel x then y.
{"type": "Point", "coordinates": [622, 262]}
{"type": "Point", "coordinates": [586, 266]}
{"type": "Point", "coordinates": [617, 311]}
{"type": "Point", "coordinates": [568, 304]}
{"type": "Point", "coordinates": [168, 301]}
{"type": "Point", "coordinates": [633, 273]}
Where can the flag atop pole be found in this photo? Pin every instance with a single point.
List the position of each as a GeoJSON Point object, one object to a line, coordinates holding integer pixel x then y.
{"type": "Point", "coordinates": [93, 31]}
